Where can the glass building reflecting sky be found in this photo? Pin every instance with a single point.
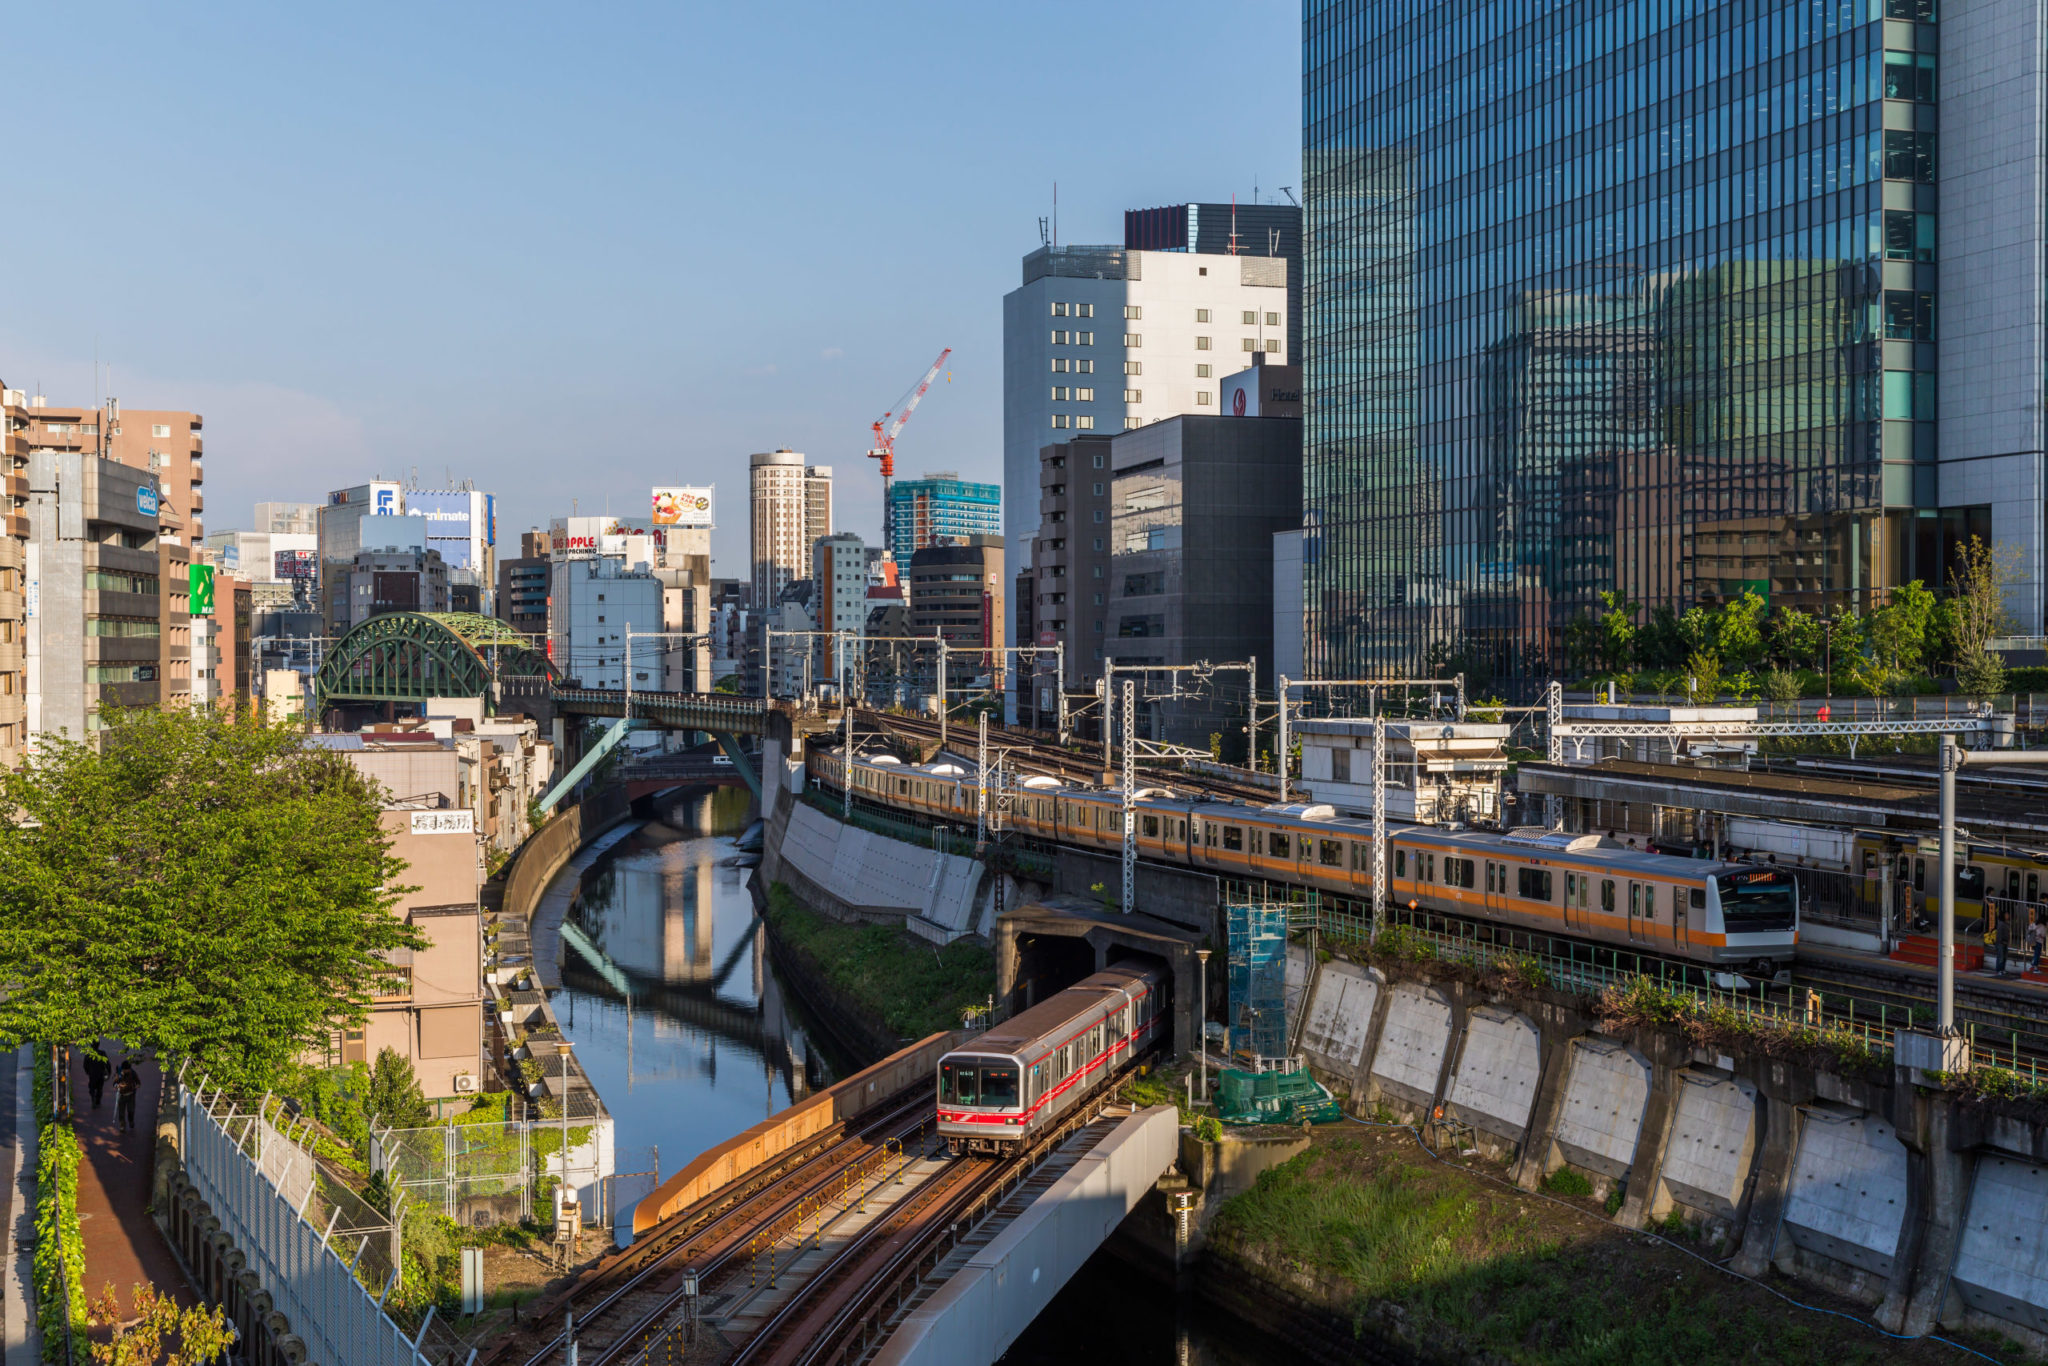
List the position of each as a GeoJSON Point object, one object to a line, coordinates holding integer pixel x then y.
{"type": "Point", "coordinates": [1633, 297]}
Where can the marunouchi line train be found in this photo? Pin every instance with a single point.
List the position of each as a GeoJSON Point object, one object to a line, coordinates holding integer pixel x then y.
{"type": "Point", "coordinates": [1584, 887]}
{"type": "Point", "coordinates": [1012, 1083]}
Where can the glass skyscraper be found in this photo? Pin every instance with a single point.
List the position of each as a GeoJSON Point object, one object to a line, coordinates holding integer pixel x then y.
{"type": "Point", "coordinates": [941, 509]}
{"type": "Point", "coordinates": [1640, 296]}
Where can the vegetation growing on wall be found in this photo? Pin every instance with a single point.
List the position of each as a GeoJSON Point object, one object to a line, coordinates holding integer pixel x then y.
{"type": "Point", "coordinates": [912, 986]}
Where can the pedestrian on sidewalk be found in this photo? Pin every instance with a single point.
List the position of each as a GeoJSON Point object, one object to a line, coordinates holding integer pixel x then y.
{"type": "Point", "coordinates": [127, 1082]}
{"type": "Point", "coordinates": [96, 1069]}
{"type": "Point", "coordinates": [2037, 939]}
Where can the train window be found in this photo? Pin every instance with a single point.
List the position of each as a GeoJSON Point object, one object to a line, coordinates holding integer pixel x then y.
{"type": "Point", "coordinates": [1489, 877]}
{"type": "Point", "coordinates": [1276, 844]}
{"type": "Point", "coordinates": [999, 1085]}
{"type": "Point", "coordinates": [1361, 858]}
{"type": "Point", "coordinates": [1698, 897]}
{"type": "Point", "coordinates": [1429, 868]}
{"type": "Point", "coordinates": [1258, 841]}
{"type": "Point", "coordinates": [1151, 827]}
{"type": "Point", "coordinates": [1233, 837]}
{"type": "Point", "coordinates": [1919, 874]}
{"type": "Point", "coordinates": [1607, 895]}
{"type": "Point", "coordinates": [959, 1083]}
{"type": "Point", "coordinates": [2033, 886]}
{"type": "Point", "coordinates": [1969, 883]}
{"type": "Point", "coordinates": [1330, 853]}
{"type": "Point", "coordinates": [1400, 863]}
{"type": "Point", "coordinates": [1533, 883]}
{"type": "Point", "coordinates": [903, 786]}
{"type": "Point", "coordinates": [1460, 872]}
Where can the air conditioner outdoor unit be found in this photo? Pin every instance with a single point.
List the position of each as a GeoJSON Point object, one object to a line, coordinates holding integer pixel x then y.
{"type": "Point", "coordinates": [465, 1081]}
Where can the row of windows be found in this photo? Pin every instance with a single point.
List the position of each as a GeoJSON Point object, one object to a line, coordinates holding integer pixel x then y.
{"type": "Point", "coordinates": [1074, 365]}
{"type": "Point", "coordinates": [1067, 310]}
{"type": "Point", "coordinates": [1073, 421]}
{"type": "Point", "coordinates": [1062, 393]}
{"type": "Point", "coordinates": [120, 581]}
{"type": "Point", "coordinates": [1060, 338]}
{"type": "Point", "coordinates": [123, 626]}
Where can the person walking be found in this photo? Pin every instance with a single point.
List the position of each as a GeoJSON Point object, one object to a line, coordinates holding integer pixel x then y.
{"type": "Point", "coordinates": [96, 1069]}
{"type": "Point", "coordinates": [127, 1083]}
{"type": "Point", "coordinates": [2037, 939]}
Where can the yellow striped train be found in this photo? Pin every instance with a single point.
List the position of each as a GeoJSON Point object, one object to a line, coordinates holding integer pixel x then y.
{"type": "Point", "coordinates": [1719, 915]}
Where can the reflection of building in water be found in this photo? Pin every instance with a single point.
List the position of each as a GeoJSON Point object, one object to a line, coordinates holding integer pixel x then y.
{"type": "Point", "coordinates": [687, 921]}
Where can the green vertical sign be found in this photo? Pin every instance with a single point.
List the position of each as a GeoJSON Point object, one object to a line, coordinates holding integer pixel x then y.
{"type": "Point", "coordinates": [201, 604]}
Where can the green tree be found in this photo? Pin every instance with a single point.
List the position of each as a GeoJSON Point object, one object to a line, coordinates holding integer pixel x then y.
{"type": "Point", "coordinates": [1698, 631]}
{"type": "Point", "coordinates": [1898, 630]}
{"type": "Point", "coordinates": [198, 881]}
{"type": "Point", "coordinates": [1977, 613]}
{"type": "Point", "coordinates": [1738, 633]}
{"type": "Point", "coordinates": [1660, 644]}
{"type": "Point", "coordinates": [1794, 639]}
{"type": "Point", "coordinates": [1704, 669]}
{"type": "Point", "coordinates": [394, 1099]}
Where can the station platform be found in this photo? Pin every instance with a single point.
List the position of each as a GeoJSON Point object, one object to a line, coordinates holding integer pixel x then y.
{"type": "Point", "coordinates": [1910, 970]}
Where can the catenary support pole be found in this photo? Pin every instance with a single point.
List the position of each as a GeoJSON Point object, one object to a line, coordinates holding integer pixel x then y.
{"type": "Point", "coordinates": [1280, 695]}
{"type": "Point", "coordinates": [1130, 800]}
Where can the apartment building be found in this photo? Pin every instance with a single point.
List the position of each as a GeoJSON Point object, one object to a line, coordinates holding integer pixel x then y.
{"type": "Point", "coordinates": [170, 446]}
{"type": "Point", "coordinates": [1063, 590]}
{"type": "Point", "coordinates": [957, 592]}
{"type": "Point", "coordinates": [789, 507]}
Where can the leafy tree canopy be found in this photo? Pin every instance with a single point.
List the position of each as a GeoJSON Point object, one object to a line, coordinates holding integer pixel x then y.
{"type": "Point", "coordinates": [200, 882]}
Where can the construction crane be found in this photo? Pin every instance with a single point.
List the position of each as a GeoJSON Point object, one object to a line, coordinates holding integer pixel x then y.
{"type": "Point", "coordinates": [885, 428]}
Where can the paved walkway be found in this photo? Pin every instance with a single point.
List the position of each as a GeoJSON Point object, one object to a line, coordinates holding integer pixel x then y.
{"type": "Point", "coordinates": [122, 1244]}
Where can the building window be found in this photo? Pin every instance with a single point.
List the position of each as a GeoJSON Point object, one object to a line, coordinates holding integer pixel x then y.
{"type": "Point", "coordinates": [1059, 365]}
{"type": "Point", "coordinates": [1098, 543]}
{"type": "Point", "coordinates": [1098, 488]}
{"type": "Point", "coordinates": [1272, 320]}
{"type": "Point", "coordinates": [1250, 317]}
{"type": "Point", "coordinates": [1250, 345]}
{"type": "Point", "coordinates": [1132, 339]}
{"type": "Point", "coordinates": [1133, 312]}
{"type": "Point", "coordinates": [1084, 366]}
{"type": "Point", "coordinates": [1084, 310]}
{"type": "Point", "coordinates": [159, 429]}
{"type": "Point", "coordinates": [1059, 392]}
{"type": "Point", "coordinates": [1085, 423]}
{"type": "Point", "coordinates": [1097, 463]}
{"type": "Point", "coordinates": [1134, 367]}
{"type": "Point", "coordinates": [1059, 420]}
{"type": "Point", "coordinates": [1134, 395]}
{"type": "Point", "coordinates": [1131, 424]}
{"type": "Point", "coordinates": [1084, 339]}
{"type": "Point", "coordinates": [1098, 516]}
{"type": "Point", "coordinates": [1201, 315]}
{"type": "Point", "coordinates": [1203, 398]}
{"type": "Point", "coordinates": [1098, 568]}
{"type": "Point", "coordinates": [1059, 310]}
{"type": "Point", "coordinates": [1201, 343]}
{"type": "Point", "coordinates": [1084, 395]}
{"type": "Point", "coordinates": [1908, 316]}
{"type": "Point", "coordinates": [1203, 372]}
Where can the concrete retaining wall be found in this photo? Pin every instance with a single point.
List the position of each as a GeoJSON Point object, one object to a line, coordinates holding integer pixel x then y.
{"type": "Point", "coordinates": [1606, 1091]}
{"type": "Point", "coordinates": [743, 1152]}
{"type": "Point", "coordinates": [1340, 1016]}
{"type": "Point", "coordinates": [1847, 1198]}
{"type": "Point", "coordinates": [1495, 1084]}
{"type": "Point", "coordinates": [859, 874]}
{"type": "Point", "coordinates": [1712, 1144]}
{"type": "Point", "coordinates": [1410, 1060]}
{"type": "Point", "coordinates": [974, 1317]}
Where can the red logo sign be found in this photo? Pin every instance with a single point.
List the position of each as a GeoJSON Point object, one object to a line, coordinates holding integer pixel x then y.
{"type": "Point", "coordinates": [1237, 402]}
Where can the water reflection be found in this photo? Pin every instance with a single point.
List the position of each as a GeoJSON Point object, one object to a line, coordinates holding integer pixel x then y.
{"type": "Point", "coordinates": [668, 993]}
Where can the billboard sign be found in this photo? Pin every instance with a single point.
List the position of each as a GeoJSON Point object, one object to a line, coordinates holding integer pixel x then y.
{"type": "Point", "coordinates": [450, 528]}
{"type": "Point", "coordinates": [444, 822]}
{"type": "Point", "coordinates": [145, 500]}
{"type": "Point", "coordinates": [200, 582]}
{"type": "Point", "coordinates": [295, 564]}
{"type": "Point", "coordinates": [231, 558]}
{"type": "Point", "coordinates": [682, 507]}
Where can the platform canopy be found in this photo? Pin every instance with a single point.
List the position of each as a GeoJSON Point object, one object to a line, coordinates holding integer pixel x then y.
{"type": "Point", "coordinates": [412, 656]}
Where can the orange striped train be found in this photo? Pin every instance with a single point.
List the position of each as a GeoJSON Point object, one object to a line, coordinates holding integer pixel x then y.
{"type": "Point", "coordinates": [1583, 887]}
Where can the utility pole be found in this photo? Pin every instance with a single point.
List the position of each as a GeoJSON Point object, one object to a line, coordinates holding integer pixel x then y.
{"type": "Point", "coordinates": [1379, 826]}
{"type": "Point", "coordinates": [1130, 800]}
{"type": "Point", "coordinates": [1280, 693]}
{"type": "Point", "coordinates": [981, 789]}
{"type": "Point", "coordinates": [846, 748]}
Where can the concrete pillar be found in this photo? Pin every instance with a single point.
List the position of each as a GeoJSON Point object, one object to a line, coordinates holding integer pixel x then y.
{"type": "Point", "coordinates": [1458, 994]}
{"type": "Point", "coordinates": [1558, 1031]}
{"type": "Point", "coordinates": [1647, 1171]}
{"type": "Point", "coordinates": [1767, 1186]}
{"type": "Point", "coordinates": [1006, 968]}
{"type": "Point", "coordinates": [1361, 1076]}
{"type": "Point", "coordinates": [1943, 1191]}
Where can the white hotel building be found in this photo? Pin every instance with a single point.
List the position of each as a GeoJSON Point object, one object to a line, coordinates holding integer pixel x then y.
{"type": "Point", "coordinates": [1106, 339]}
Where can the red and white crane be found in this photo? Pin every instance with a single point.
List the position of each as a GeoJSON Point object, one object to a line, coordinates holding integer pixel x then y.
{"type": "Point", "coordinates": [885, 428]}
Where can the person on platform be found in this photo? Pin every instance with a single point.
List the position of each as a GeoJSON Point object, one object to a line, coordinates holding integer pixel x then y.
{"type": "Point", "coordinates": [2037, 939]}
{"type": "Point", "coordinates": [1994, 942]}
{"type": "Point", "coordinates": [127, 1084]}
{"type": "Point", "coordinates": [96, 1069]}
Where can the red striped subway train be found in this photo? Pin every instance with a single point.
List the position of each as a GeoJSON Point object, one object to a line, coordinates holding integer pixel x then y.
{"type": "Point", "coordinates": [1009, 1085]}
{"type": "Point", "coordinates": [1717, 914]}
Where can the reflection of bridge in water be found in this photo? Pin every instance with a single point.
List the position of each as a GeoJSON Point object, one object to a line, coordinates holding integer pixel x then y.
{"type": "Point", "coordinates": [761, 1027]}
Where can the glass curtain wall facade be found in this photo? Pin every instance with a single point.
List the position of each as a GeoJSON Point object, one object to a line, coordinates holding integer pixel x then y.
{"type": "Point", "coordinates": [1609, 297]}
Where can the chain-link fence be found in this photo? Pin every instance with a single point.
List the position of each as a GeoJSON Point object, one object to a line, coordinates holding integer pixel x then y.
{"type": "Point", "coordinates": [505, 1165]}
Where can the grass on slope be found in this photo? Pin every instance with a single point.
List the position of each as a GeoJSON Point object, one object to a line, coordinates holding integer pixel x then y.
{"type": "Point", "coordinates": [912, 986]}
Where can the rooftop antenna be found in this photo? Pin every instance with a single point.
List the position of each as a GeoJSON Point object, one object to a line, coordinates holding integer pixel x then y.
{"type": "Point", "coordinates": [1234, 247]}
{"type": "Point", "coordinates": [1272, 241]}
{"type": "Point", "coordinates": [1288, 190]}
{"type": "Point", "coordinates": [1044, 240]}
{"type": "Point", "coordinates": [1055, 215]}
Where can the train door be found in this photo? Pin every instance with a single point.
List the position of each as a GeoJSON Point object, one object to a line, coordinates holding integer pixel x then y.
{"type": "Point", "coordinates": [1573, 912]}
{"type": "Point", "coordinates": [1638, 921]}
{"type": "Point", "coordinates": [1679, 921]}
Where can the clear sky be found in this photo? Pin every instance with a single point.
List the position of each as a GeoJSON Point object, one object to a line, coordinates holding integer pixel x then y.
{"type": "Point", "coordinates": [573, 251]}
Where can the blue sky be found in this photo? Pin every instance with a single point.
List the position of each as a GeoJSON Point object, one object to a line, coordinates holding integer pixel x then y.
{"type": "Point", "coordinates": [575, 251]}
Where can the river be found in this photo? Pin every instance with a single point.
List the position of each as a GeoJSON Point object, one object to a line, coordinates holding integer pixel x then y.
{"type": "Point", "coordinates": [689, 1039]}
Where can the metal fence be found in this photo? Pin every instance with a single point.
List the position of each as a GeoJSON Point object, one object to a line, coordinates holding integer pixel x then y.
{"type": "Point", "coordinates": [479, 1174]}
{"type": "Point", "coordinates": [311, 1241]}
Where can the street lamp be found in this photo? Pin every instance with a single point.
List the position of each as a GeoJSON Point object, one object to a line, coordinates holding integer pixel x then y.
{"type": "Point", "coordinates": [1202, 1019]}
{"type": "Point", "coordinates": [562, 1047]}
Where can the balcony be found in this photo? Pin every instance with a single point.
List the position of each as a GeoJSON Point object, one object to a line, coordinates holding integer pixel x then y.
{"type": "Point", "coordinates": [17, 527]}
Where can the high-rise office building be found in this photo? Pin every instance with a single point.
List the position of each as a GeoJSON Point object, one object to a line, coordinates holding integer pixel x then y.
{"type": "Point", "coordinates": [1226, 229]}
{"type": "Point", "coordinates": [956, 591]}
{"type": "Point", "coordinates": [790, 506]}
{"type": "Point", "coordinates": [1657, 313]}
{"type": "Point", "coordinates": [941, 509]}
{"type": "Point", "coordinates": [1109, 338]}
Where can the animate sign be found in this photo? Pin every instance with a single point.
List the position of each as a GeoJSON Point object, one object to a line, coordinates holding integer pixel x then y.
{"type": "Point", "coordinates": [145, 501]}
{"type": "Point", "coordinates": [444, 822]}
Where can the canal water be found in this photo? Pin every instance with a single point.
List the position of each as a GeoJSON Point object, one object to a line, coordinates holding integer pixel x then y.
{"type": "Point", "coordinates": [676, 1014]}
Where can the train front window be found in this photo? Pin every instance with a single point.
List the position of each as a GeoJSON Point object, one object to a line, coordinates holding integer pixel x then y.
{"type": "Point", "coordinates": [1765, 899]}
{"type": "Point", "coordinates": [959, 1083]}
{"type": "Point", "coordinates": [998, 1085]}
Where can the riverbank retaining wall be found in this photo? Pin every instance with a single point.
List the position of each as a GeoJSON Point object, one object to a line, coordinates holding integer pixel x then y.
{"type": "Point", "coordinates": [1927, 1205]}
{"type": "Point", "coordinates": [854, 874]}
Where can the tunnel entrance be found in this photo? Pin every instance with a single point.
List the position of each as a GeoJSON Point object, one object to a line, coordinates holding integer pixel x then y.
{"type": "Point", "coordinates": [1046, 946]}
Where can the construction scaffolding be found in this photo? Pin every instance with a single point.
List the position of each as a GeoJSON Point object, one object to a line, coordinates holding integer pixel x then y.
{"type": "Point", "coordinates": [1258, 980]}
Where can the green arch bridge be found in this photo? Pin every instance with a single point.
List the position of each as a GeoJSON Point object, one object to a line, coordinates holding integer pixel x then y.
{"type": "Point", "coordinates": [413, 656]}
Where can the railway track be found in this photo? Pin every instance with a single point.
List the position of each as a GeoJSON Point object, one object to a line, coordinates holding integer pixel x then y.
{"type": "Point", "coordinates": [625, 1298]}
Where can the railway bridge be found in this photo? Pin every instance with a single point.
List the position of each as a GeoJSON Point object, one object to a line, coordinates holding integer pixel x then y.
{"type": "Point", "coordinates": [839, 1231]}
